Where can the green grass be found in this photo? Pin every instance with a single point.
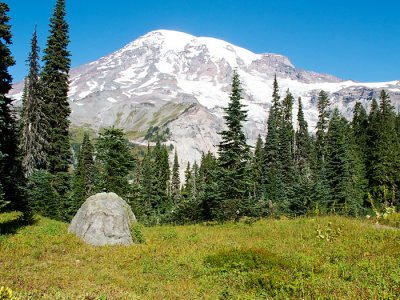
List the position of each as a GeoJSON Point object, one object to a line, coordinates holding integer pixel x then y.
{"type": "Point", "coordinates": [310, 258]}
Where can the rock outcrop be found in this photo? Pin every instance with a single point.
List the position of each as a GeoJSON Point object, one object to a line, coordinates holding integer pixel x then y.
{"type": "Point", "coordinates": [104, 219]}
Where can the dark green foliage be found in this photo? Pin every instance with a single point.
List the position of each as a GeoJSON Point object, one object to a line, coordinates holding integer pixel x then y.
{"type": "Point", "coordinates": [162, 173]}
{"type": "Point", "coordinates": [148, 182]}
{"type": "Point", "coordinates": [208, 187]}
{"type": "Point", "coordinates": [187, 189]}
{"type": "Point", "coordinates": [43, 197]}
{"type": "Point", "coordinates": [137, 234]}
{"type": "Point", "coordinates": [114, 162]}
{"type": "Point", "coordinates": [257, 188]}
{"type": "Point", "coordinates": [359, 125]}
{"type": "Point", "coordinates": [175, 181]}
{"type": "Point", "coordinates": [384, 156]}
{"type": "Point", "coordinates": [286, 146]}
{"type": "Point", "coordinates": [34, 126]}
{"type": "Point", "coordinates": [322, 125]}
{"type": "Point", "coordinates": [83, 181]}
{"type": "Point", "coordinates": [234, 155]}
{"type": "Point", "coordinates": [275, 190]}
{"type": "Point", "coordinates": [154, 184]}
{"type": "Point", "coordinates": [303, 187]}
{"type": "Point", "coordinates": [55, 80]}
{"type": "Point", "coordinates": [12, 181]}
{"type": "Point", "coordinates": [344, 168]}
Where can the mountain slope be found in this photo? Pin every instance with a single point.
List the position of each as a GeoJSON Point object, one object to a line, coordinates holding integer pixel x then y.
{"type": "Point", "coordinates": [177, 85]}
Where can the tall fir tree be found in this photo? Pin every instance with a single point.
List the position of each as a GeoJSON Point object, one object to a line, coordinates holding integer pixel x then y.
{"type": "Point", "coordinates": [34, 126]}
{"type": "Point", "coordinates": [322, 125]}
{"type": "Point", "coordinates": [83, 181]}
{"type": "Point", "coordinates": [274, 186]}
{"type": "Point", "coordinates": [257, 170]}
{"type": "Point", "coordinates": [187, 189]}
{"type": "Point", "coordinates": [175, 180]}
{"type": "Point", "coordinates": [384, 159]}
{"type": "Point", "coordinates": [302, 156]}
{"type": "Point", "coordinates": [234, 155]}
{"type": "Point", "coordinates": [11, 176]}
{"type": "Point", "coordinates": [114, 162]}
{"type": "Point", "coordinates": [55, 81]}
{"type": "Point", "coordinates": [344, 167]}
{"type": "Point", "coordinates": [162, 173]}
{"type": "Point", "coordinates": [286, 146]}
{"type": "Point", "coordinates": [359, 126]}
{"type": "Point", "coordinates": [208, 187]}
{"type": "Point", "coordinates": [302, 200]}
{"type": "Point", "coordinates": [148, 183]}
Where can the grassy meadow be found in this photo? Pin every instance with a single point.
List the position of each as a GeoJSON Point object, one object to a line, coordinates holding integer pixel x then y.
{"type": "Point", "coordinates": [305, 258]}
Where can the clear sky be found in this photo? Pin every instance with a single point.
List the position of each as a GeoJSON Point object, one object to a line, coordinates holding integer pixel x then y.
{"type": "Point", "coordinates": [351, 39]}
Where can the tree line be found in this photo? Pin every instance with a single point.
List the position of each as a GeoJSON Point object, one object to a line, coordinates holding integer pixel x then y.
{"type": "Point", "coordinates": [346, 167]}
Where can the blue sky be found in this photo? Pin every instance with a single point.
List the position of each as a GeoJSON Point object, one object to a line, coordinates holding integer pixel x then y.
{"type": "Point", "coordinates": [357, 40]}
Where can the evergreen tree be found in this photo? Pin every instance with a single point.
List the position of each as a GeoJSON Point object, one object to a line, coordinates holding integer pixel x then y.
{"type": "Point", "coordinates": [175, 181]}
{"type": "Point", "coordinates": [208, 187]}
{"type": "Point", "coordinates": [83, 183]}
{"type": "Point", "coordinates": [148, 183]}
{"type": "Point", "coordinates": [359, 125]}
{"type": "Point", "coordinates": [114, 162]}
{"type": "Point", "coordinates": [162, 173]}
{"type": "Point", "coordinates": [33, 124]}
{"type": "Point", "coordinates": [257, 170]}
{"type": "Point", "coordinates": [274, 187]}
{"type": "Point", "coordinates": [234, 154]}
{"type": "Point", "coordinates": [322, 125]}
{"type": "Point", "coordinates": [344, 167]}
{"type": "Point", "coordinates": [55, 80]}
{"type": "Point", "coordinates": [303, 198]}
{"type": "Point", "coordinates": [302, 155]}
{"type": "Point", "coordinates": [187, 190]}
{"type": "Point", "coordinates": [384, 159]}
{"type": "Point", "coordinates": [11, 175]}
{"type": "Point", "coordinates": [286, 146]}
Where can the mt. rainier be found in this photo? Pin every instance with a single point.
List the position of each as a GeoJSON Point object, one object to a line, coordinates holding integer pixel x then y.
{"type": "Point", "coordinates": [178, 84]}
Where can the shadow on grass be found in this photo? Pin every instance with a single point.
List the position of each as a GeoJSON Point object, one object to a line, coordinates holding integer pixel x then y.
{"type": "Point", "coordinates": [12, 226]}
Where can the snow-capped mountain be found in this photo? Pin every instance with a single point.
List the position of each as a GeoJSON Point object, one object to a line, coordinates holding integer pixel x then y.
{"type": "Point", "coordinates": [177, 84]}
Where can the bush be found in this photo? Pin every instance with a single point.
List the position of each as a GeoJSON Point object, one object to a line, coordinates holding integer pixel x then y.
{"type": "Point", "coordinates": [6, 293]}
{"type": "Point", "coordinates": [392, 219]}
{"type": "Point", "coordinates": [137, 234]}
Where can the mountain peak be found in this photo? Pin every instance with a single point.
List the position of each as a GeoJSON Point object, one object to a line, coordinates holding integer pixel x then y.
{"type": "Point", "coordinates": [178, 84]}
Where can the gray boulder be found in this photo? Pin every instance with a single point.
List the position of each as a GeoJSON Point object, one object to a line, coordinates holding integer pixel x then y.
{"type": "Point", "coordinates": [104, 219]}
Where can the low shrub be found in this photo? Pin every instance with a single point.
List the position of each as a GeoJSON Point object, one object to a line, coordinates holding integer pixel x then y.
{"type": "Point", "coordinates": [137, 234]}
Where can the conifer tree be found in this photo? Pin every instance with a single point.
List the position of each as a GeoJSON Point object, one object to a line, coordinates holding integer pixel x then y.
{"type": "Point", "coordinates": [384, 160]}
{"type": "Point", "coordinates": [11, 175]}
{"type": "Point", "coordinates": [302, 141]}
{"type": "Point", "coordinates": [359, 125]}
{"type": "Point", "coordinates": [322, 125]}
{"type": "Point", "coordinates": [55, 81]}
{"type": "Point", "coordinates": [343, 167]}
{"type": "Point", "coordinates": [187, 190]}
{"type": "Point", "coordinates": [114, 162]}
{"type": "Point", "coordinates": [303, 199]}
{"type": "Point", "coordinates": [34, 125]}
{"type": "Point", "coordinates": [162, 174]}
{"type": "Point", "coordinates": [175, 180]}
{"type": "Point", "coordinates": [274, 186]}
{"type": "Point", "coordinates": [257, 170]}
{"type": "Point", "coordinates": [83, 182]}
{"type": "Point", "coordinates": [234, 154]}
{"type": "Point", "coordinates": [148, 182]}
{"type": "Point", "coordinates": [208, 187]}
{"type": "Point", "coordinates": [286, 146]}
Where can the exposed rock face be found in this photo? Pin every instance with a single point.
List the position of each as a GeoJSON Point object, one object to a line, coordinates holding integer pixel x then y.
{"type": "Point", "coordinates": [104, 219]}
{"type": "Point", "coordinates": [176, 81]}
